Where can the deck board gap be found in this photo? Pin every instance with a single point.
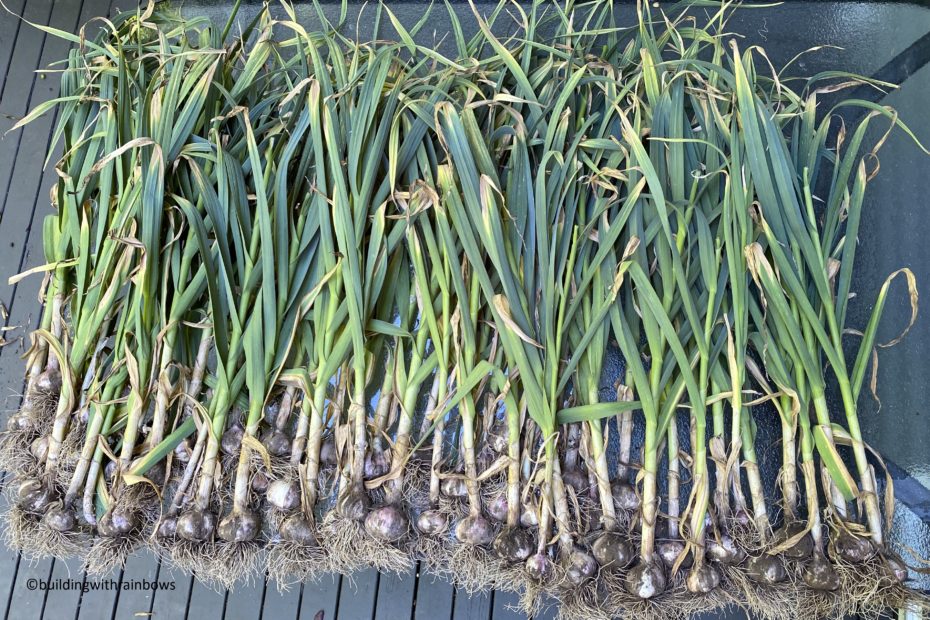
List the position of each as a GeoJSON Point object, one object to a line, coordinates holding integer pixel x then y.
{"type": "Point", "coordinates": [338, 597]}
{"type": "Point", "coordinates": [119, 587]}
{"type": "Point", "coordinates": [9, 600]}
{"type": "Point", "coordinates": [190, 592]}
{"type": "Point", "coordinates": [416, 588]}
{"type": "Point", "coordinates": [155, 590]}
{"type": "Point", "coordinates": [51, 570]}
{"type": "Point", "coordinates": [261, 609]}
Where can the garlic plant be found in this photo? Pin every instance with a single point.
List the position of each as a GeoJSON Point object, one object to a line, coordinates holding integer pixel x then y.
{"type": "Point", "coordinates": [316, 303]}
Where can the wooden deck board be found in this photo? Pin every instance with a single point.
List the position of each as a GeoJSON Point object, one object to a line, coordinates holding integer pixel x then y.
{"type": "Point", "coordinates": [28, 592]}
{"type": "Point", "coordinates": [172, 604]}
{"type": "Point", "coordinates": [435, 598]}
{"type": "Point", "coordinates": [204, 603]}
{"type": "Point", "coordinates": [17, 90]}
{"type": "Point", "coordinates": [395, 596]}
{"type": "Point", "coordinates": [136, 594]}
{"type": "Point", "coordinates": [472, 606]}
{"type": "Point", "coordinates": [9, 31]}
{"type": "Point", "coordinates": [281, 604]}
{"type": "Point", "coordinates": [245, 601]}
{"type": "Point", "coordinates": [62, 603]}
{"type": "Point", "coordinates": [100, 599]}
{"type": "Point", "coordinates": [319, 599]}
{"type": "Point", "coordinates": [357, 596]}
{"type": "Point", "coordinates": [505, 606]}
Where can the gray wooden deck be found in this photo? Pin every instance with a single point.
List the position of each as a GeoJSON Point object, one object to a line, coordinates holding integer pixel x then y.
{"type": "Point", "coordinates": [24, 201]}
